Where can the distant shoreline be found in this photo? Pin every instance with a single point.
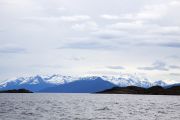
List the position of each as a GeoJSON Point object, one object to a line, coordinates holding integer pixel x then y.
{"type": "Point", "coordinates": [155, 90]}
{"type": "Point", "coordinates": [16, 91]}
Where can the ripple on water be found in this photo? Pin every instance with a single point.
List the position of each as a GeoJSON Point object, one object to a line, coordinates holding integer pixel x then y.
{"type": "Point", "coordinates": [88, 107]}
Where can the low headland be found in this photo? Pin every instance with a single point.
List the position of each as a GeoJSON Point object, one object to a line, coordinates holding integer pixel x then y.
{"type": "Point", "coordinates": [155, 90]}
{"type": "Point", "coordinates": [16, 91]}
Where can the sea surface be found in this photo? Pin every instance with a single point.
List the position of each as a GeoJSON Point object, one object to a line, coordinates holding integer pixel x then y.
{"type": "Point", "coordinates": [52, 106]}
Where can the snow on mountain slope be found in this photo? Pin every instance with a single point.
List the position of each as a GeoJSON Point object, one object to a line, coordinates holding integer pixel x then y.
{"type": "Point", "coordinates": [58, 79]}
{"type": "Point", "coordinates": [35, 83]}
{"type": "Point", "coordinates": [160, 83]}
{"type": "Point", "coordinates": [39, 82]}
{"type": "Point", "coordinates": [128, 80]}
{"type": "Point", "coordinates": [52, 79]}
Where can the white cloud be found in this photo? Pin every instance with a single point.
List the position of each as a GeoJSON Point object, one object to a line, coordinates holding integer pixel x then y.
{"type": "Point", "coordinates": [152, 12]}
{"type": "Point", "coordinates": [85, 26]}
{"type": "Point", "coordinates": [158, 11]}
{"type": "Point", "coordinates": [73, 18]}
{"type": "Point", "coordinates": [120, 32]}
{"type": "Point", "coordinates": [110, 17]}
{"type": "Point", "coordinates": [165, 30]}
{"type": "Point", "coordinates": [61, 8]}
{"type": "Point", "coordinates": [127, 25]}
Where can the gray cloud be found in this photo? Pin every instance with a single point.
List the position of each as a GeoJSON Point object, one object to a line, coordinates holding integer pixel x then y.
{"type": "Point", "coordinates": [116, 67]}
{"type": "Point", "coordinates": [174, 67]}
{"type": "Point", "coordinates": [87, 45]}
{"type": "Point", "coordinates": [158, 65]}
{"type": "Point", "coordinates": [159, 44]}
{"type": "Point", "coordinates": [96, 45]}
{"type": "Point", "coordinates": [109, 34]}
{"type": "Point", "coordinates": [170, 44]}
{"type": "Point", "coordinates": [76, 58]}
{"type": "Point", "coordinates": [175, 57]}
{"type": "Point", "coordinates": [1, 30]}
{"type": "Point", "coordinates": [175, 74]}
{"type": "Point", "coordinates": [12, 49]}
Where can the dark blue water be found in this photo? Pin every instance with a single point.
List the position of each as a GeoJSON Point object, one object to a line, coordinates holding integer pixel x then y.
{"type": "Point", "coordinates": [88, 107]}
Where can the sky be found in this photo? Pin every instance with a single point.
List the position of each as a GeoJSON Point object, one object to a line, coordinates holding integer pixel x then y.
{"type": "Point", "coordinates": [90, 37]}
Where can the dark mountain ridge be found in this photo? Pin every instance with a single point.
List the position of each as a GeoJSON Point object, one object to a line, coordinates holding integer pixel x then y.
{"type": "Point", "coordinates": [16, 91]}
{"type": "Point", "coordinates": [155, 90]}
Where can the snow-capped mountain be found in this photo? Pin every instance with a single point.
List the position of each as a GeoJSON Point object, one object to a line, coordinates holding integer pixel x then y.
{"type": "Point", "coordinates": [39, 82]}
{"type": "Point", "coordinates": [129, 80]}
{"type": "Point", "coordinates": [36, 83]}
{"type": "Point", "coordinates": [160, 83]}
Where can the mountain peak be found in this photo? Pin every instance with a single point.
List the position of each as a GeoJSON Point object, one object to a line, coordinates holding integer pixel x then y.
{"type": "Point", "coordinates": [160, 83]}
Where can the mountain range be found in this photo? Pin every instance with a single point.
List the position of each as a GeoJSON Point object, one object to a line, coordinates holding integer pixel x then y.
{"type": "Point", "coordinates": [70, 84]}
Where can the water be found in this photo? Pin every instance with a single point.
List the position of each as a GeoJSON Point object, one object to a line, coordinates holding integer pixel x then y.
{"type": "Point", "coordinates": [88, 107]}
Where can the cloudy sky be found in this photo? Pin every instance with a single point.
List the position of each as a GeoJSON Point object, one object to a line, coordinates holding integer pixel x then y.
{"type": "Point", "coordinates": [90, 37]}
